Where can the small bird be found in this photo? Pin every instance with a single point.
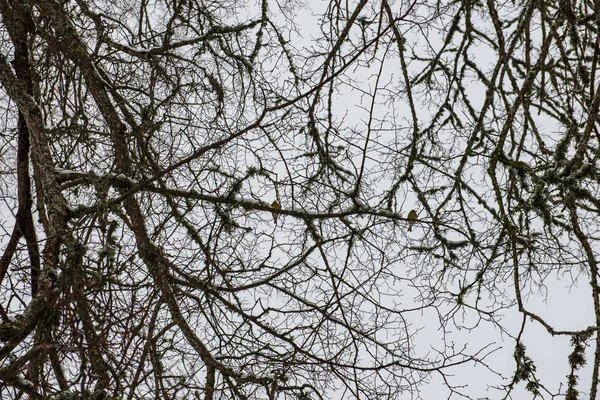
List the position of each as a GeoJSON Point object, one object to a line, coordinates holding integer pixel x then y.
{"type": "Point", "coordinates": [276, 206]}
{"type": "Point", "coordinates": [412, 218]}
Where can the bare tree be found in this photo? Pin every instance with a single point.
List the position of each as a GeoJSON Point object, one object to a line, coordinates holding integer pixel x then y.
{"type": "Point", "coordinates": [210, 199]}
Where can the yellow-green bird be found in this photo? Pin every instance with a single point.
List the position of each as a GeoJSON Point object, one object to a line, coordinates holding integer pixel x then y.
{"type": "Point", "coordinates": [412, 218]}
{"type": "Point", "coordinates": [276, 206]}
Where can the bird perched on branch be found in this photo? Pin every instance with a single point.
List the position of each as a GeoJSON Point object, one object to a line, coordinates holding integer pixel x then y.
{"type": "Point", "coordinates": [412, 218]}
{"type": "Point", "coordinates": [276, 206]}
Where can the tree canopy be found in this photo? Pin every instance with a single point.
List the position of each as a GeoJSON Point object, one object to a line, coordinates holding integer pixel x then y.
{"type": "Point", "coordinates": [210, 199]}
